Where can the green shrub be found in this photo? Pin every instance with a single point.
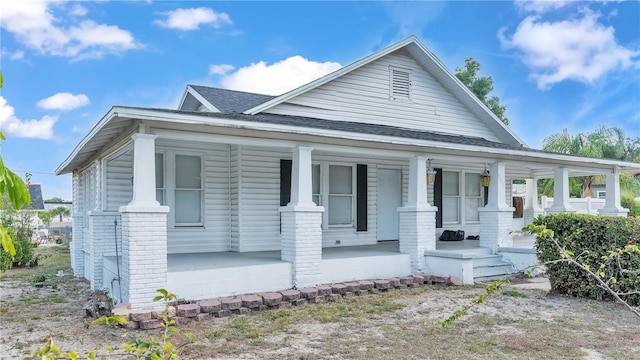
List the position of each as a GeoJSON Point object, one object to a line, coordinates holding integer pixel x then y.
{"type": "Point", "coordinates": [633, 206]}
{"type": "Point", "coordinates": [24, 252]}
{"type": "Point", "coordinates": [591, 238]}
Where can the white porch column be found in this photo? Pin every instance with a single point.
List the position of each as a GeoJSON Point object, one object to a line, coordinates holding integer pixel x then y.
{"type": "Point", "coordinates": [417, 217]}
{"type": "Point", "coordinates": [301, 224]}
{"type": "Point", "coordinates": [532, 206]}
{"type": "Point", "coordinates": [496, 218]}
{"type": "Point", "coordinates": [612, 203]}
{"type": "Point", "coordinates": [561, 192]}
{"type": "Point", "coordinates": [144, 231]}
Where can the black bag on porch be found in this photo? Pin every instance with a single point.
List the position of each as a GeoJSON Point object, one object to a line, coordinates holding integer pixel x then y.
{"type": "Point", "coordinates": [450, 235]}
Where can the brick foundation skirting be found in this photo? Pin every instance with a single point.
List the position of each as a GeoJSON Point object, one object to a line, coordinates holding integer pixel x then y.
{"type": "Point", "coordinates": [245, 304]}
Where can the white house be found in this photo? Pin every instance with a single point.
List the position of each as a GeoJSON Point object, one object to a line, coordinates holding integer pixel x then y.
{"type": "Point", "coordinates": [234, 192]}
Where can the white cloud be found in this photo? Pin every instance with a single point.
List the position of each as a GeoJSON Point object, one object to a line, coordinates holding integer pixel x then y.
{"type": "Point", "coordinates": [17, 55]}
{"type": "Point", "coordinates": [191, 19]}
{"type": "Point", "coordinates": [279, 77]}
{"type": "Point", "coordinates": [541, 6]}
{"type": "Point", "coordinates": [221, 69]}
{"type": "Point", "coordinates": [64, 101]}
{"type": "Point", "coordinates": [78, 10]}
{"type": "Point", "coordinates": [35, 25]}
{"type": "Point", "coordinates": [11, 125]}
{"type": "Point", "coordinates": [580, 49]}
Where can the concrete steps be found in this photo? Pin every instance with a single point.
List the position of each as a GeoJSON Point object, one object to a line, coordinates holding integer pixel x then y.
{"type": "Point", "coordinates": [491, 267]}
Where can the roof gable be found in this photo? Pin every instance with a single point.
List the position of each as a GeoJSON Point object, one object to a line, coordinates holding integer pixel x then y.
{"type": "Point", "coordinates": [204, 98]}
{"type": "Point", "coordinates": [430, 64]}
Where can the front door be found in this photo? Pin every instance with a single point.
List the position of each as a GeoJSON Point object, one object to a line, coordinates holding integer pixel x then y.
{"type": "Point", "coordinates": [389, 199]}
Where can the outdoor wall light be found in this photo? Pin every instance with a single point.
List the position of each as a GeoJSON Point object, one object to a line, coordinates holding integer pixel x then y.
{"type": "Point", "coordinates": [431, 174]}
{"type": "Point", "coordinates": [485, 178]}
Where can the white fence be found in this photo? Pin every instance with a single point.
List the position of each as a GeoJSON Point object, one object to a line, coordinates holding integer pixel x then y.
{"type": "Point", "coordinates": [582, 205]}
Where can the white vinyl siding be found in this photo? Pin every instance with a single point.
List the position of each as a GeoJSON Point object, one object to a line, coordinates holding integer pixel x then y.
{"type": "Point", "coordinates": [118, 179]}
{"type": "Point", "coordinates": [363, 96]}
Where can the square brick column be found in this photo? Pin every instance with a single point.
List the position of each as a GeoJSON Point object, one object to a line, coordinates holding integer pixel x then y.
{"type": "Point", "coordinates": [496, 218]}
{"type": "Point", "coordinates": [301, 224]}
{"type": "Point", "coordinates": [144, 254]}
{"type": "Point", "coordinates": [301, 243]}
{"type": "Point", "coordinates": [417, 233]}
{"type": "Point", "coordinates": [104, 235]}
{"type": "Point", "coordinates": [76, 246]}
{"type": "Point", "coordinates": [417, 217]}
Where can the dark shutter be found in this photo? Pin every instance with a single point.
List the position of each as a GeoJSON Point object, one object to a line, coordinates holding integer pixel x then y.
{"type": "Point", "coordinates": [437, 197]}
{"type": "Point", "coordinates": [285, 182]}
{"type": "Point", "coordinates": [361, 197]}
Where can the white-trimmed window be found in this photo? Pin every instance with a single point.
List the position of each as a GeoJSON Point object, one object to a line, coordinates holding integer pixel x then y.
{"type": "Point", "coordinates": [450, 197]}
{"type": "Point", "coordinates": [399, 83]}
{"type": "Point", "coordinates": [315, 184]}
{"type": "Point", "coordinates": [472, 197]}
{"type": "Point", "coordinates": [341, 195]}
{"type": "Point", "coordinates": [179, 184]}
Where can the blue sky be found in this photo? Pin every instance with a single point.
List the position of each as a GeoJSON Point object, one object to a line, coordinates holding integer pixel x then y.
{"type": "Point", "coordinates": [556, 64]}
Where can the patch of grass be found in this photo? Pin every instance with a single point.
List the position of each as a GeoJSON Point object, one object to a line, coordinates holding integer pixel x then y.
{"type": "Point", "coordinates": [241, 328]}
{"type": "Point", "coordinates": [514, 293]}
{"type": "Point", "coordinates": [347, 309]}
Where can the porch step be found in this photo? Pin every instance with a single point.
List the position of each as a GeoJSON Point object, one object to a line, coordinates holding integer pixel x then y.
{"type": "Point", "coordinates": [491, 267]}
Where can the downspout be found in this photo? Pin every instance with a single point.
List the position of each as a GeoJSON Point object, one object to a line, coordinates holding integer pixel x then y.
{"type": "Point", "coordinates": [115, 238]}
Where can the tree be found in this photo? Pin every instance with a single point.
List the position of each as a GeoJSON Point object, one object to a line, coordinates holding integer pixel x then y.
{"type": "Point", "coordinates": [60, 211]}
{"type": "Point", "coordinates": [481, 86]}
{"type": "Point", "coordinates": [46, 217]}
{"type": "Point", "coordinates": [604, 142]}
{"type": "Point", "coordinates": [632, 150]}
{"type": "Point", "coordinates": [55, 200]}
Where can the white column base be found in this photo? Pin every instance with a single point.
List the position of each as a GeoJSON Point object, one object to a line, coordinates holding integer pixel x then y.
{"type": "Point", "coordinates": [560, 209]}
{"type": "Point", "coordinates": [417, 233]}
{"type": "Point", "coordinates": [301, 243]}
{"type": "Point", "coordinates": [144, 255]}
{"type": "Point", "coordinates": [495, 227]}
{"type": "Point", "coordinates": [618, 211]}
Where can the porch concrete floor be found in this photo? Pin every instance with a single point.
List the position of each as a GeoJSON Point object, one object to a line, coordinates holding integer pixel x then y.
{"type": "Point", "coordinates": [219, 260]}
{"type": "Point", "coordinates": [519, 241]}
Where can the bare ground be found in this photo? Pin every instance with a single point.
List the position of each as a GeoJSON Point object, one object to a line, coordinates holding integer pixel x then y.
{"type": "Point", "coordinates": [523, 322]}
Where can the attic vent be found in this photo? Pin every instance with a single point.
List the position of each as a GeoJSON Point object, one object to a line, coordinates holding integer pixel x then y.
{"type": "Point", "coordinates": [400, 83]}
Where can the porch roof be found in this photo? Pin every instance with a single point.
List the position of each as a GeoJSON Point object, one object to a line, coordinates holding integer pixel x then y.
{"type": "Point", "coordinates": [120, 122]}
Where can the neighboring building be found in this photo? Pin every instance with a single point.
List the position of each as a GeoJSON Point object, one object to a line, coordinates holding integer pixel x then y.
{"type": "Point", "coordinates": [35, 192]}
{"type": "Point", "coordinates": [234, 192]}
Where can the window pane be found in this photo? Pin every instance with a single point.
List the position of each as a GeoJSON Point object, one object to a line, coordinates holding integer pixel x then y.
{"type": "Point", "coordinates": [316, 199]}
{"type": "Point", "coordinates": [315, 179]}
{"type": "Point", "coordinates": [340, 179]}
{"type": "Point", "coordinates": [188, 207]}
{"type": "Point", "coordinates": [450, 183]}
{"type": "Point", "coordinates": [339, 210]}
{"type": "Point", "coordinates": [450, 207]}
{"type": "Point", "coordinates": [159, 170]}
{"type": "Point", "coordinates": [188, 172]}
{"type": "Point", "coordinates": [472, 184]}
{"type": "Point", "coordinates": [471, 211]}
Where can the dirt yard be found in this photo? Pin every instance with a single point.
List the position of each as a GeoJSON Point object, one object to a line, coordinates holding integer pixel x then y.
{"type": "Point", "coordinates": [522, 322]}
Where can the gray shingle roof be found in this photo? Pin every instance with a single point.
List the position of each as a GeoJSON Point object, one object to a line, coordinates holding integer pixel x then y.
{"type": "Point", "coordinates": [231, 101]}
{"type": "Point", "coordinates": [35, 190]}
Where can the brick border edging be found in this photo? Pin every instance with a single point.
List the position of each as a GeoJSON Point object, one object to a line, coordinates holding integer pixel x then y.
{"type": "Point", "coordinates": [244, 304]}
